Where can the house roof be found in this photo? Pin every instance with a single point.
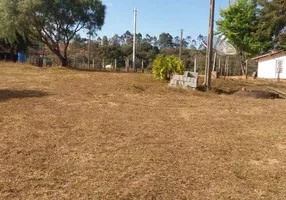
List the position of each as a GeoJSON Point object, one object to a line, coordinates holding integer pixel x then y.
{"type": "Point", "coordinates": [267, 55]}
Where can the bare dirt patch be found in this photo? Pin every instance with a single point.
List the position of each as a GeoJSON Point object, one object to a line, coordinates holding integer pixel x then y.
{"type": "Point", "coordinates": [82, 135]}
{"type": "Point", "coordinates": [257, 94]}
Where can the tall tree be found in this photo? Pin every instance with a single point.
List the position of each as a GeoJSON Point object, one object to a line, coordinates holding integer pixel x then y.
{"type": "Point", "coordinates": [155, 41]}
{"type": "Point", "coordinates": [128, 38]}
{"type": "Point", "coordinates": [177, 42]}
{"type": "Point", "coordinates": [115, 40]}
{"type": "Point", "coordinates": [148, 39]}
{"type": "Point", "coordinates": [165, 41]}
{"type": "Point", "coordinates": [52, 22]}
{"type": "Point", "coordinates": [139, 38]}
{"type": "Point", "coordinates": [273, 22]}
{"type": "Point", "coordinates": [99, 40]}
{"type": "Point", "coordinates": [105, 41]}
{"type": "Point", "coordinates": [239, 23]}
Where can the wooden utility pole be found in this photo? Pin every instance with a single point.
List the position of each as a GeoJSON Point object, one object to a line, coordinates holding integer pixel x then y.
{"type": "Point", "coordinates": [181, 44]}
{"type": "Point", "coordinates": [134, 41]}
{"type": "Point", "coordinates": [210, 44]}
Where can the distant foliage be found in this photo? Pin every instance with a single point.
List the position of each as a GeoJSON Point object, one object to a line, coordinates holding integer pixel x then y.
{"type": "Point", "coordinates": [165, 66]}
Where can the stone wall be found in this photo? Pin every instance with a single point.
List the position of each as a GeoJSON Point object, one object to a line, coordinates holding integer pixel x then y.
{"type": "Point", "coordinates": [187, 81]}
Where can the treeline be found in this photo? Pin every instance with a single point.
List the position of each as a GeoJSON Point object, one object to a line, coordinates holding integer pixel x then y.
{"type": "Point", "coordinates": [120, 48]}
{"type": "Point", "coordinates": [104, 51]}
{"type": "Point", "coordinates": [252, 27]}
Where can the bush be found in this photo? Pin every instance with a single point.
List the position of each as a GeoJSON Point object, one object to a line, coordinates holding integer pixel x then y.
{"type": "Point", "coordinates": [165, 66]}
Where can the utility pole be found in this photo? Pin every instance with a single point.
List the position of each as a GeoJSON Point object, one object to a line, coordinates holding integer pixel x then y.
{"type": "Point", "coordinates": [134, 41]}
{"type": "Point", "coordinates": [181, 44]}
{"type": "Point", "coordinates": [210, 44]}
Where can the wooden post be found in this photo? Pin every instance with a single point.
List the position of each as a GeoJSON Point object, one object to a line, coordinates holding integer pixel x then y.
{"type": "Point", "coordinates": [142, 66]}
{"type": "Point", "coordinates": [225, 67]}
{"type": "Point", "coordinates": [278, 70]}
{"type": "Point", "coordinates": [246, 68]}
{"type": "Point", "coordinates": [115, 64]}
{"type": "Point", "coordinates": [214, 61]}
{"type": "Point", "coordinates": [195, 65]}
{"type": "Point", "coordinates": [127, 63]}
{"type": "Point", "coordinates": [93, 65]}
{"type": "Point", "coordinates": [206, 70]}
{"type": "Point", "coordinates": [103, 65]}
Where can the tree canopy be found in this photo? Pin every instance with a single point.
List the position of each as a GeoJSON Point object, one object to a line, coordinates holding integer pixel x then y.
{"type": "Point", "coordinates": [240, 23]}
{"type": "Point", "coordinates": [52, 22]}
{"type": "Point", "coordinates": [273, 22]}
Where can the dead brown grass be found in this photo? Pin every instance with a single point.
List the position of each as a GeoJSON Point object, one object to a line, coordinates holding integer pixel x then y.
{"type": "Point", "coordinates": [83, 135]}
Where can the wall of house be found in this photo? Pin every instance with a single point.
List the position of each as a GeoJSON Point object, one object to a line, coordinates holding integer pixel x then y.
{"type": "Point", "coordinates": [267, 67]}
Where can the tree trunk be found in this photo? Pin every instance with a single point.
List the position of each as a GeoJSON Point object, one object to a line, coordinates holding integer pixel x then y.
{"type": "Point", "coordinates": [242, 63]}
{"type": "Point", "coordinates": [56, 50]}
{"type": "Point", "coordinates": [64, 62]}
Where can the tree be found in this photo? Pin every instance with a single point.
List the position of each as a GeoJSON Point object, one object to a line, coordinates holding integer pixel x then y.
{"type": "Point", "coordinates": [240, 23]}
{"type": "Point", "coordinates": [99, 40]}
{"type": "Point", "coordinates": [165, 41]}
{"type": "Point", "coordinates": [177, 42]}
{"type": "Point", "coordinates": [52, 22]}
{"type": "Point", "coordinates": [105, 41]}
{"type": "Point", "coordinates": [128, 38]}
{"type": "Point", "coordinates": [127, 54]}
{"type": "Point", "coordinates": [13, 46]}
{"type": "Point", "coordinates": [115, 40]}
{"type": "Point", "coordinates": [273, 22]}
{"type": "Point", "coordinates": [146, 52]}
{"type": "Point", "coordinates": [110, 53]}
{"type": "Point", "coordinates": [148, 39]}
{"type": "Point", "coordinates": [155, 41]}
{"type": "Point", "coordinates": [139, 38]}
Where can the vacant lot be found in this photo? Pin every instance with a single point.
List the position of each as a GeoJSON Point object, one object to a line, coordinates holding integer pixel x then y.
{"type": "Point", "coordinates": [82, 135]}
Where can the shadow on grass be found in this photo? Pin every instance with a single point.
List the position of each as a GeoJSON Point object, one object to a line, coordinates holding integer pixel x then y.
{"type": "Point", "coordinates": [202, 88]}
{"type": "Point", "coordinates": [7, 94]}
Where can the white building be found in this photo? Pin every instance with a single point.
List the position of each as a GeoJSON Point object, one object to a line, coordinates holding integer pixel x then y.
{"type": "Point", "coordinates": [271, 65]}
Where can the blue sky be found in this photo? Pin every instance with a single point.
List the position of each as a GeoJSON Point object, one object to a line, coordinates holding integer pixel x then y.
{"type": "Point", "coordinates": [157, 16]}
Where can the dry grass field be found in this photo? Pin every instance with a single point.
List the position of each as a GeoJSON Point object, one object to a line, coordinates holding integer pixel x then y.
{"type": "Point", "coordinates": [89, 135]}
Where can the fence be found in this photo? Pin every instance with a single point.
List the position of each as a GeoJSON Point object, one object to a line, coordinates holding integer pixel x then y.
{"type": "Point", "coordinates": [226, 66]}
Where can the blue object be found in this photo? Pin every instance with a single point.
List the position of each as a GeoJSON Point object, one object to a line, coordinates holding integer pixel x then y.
{"type": "Point", "coordinates": [21, 57]}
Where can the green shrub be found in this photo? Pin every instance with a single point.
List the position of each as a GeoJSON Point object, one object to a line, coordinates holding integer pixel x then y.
{"type": "Point", "coordinates": [165, 66]}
